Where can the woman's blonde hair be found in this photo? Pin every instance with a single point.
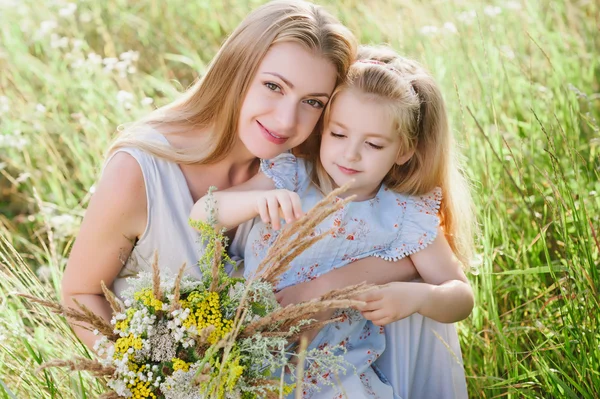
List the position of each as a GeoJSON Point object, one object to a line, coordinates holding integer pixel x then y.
{"type": "Point", "coordinates": [215, 101]}
{"type": "Point", "coordinates": [419, 114]}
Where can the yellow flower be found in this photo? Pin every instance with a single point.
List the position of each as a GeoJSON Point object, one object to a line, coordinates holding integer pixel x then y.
{"type": "Point", "coordinates": [179, 364]}
{"type": "Point", "coordinates": [205, 310]}
{"type": "Point", "coordinates": [146, 296]}
{"type": "Point", "coordinates": [122, 325]}
{"type": "Point", "coordinates": [123, 344]}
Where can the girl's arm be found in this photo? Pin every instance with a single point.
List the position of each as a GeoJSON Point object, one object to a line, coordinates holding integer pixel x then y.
{"type": "Point", "coordinates": [243, 202]}
{"type": "Point", "coordinates": [105, 238]}
{"type": "Point", "coordinates": [445, 296]}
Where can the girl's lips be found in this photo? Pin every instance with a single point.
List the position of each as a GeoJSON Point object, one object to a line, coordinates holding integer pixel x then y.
{"type": "Point", "coordinates": [347, 171]}
{"type": "Point", "coordinates": [270, 137]}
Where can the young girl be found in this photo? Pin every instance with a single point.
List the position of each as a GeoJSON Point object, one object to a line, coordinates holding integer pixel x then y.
{"type": "Point", "coordinates": [386, 130]}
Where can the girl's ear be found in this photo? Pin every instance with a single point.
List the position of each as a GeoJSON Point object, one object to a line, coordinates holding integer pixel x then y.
{"type": "Point", "coordinates": [404, 157]}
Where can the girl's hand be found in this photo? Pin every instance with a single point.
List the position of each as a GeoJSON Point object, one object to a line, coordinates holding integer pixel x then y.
{"type": "Point", "coordinates": [392, 302]}
{"type": "Point", "coordinates": [272, 204]}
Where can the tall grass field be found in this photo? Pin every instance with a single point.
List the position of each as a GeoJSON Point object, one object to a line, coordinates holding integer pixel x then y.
{"type": "Point", "coordinates": [522, 83]}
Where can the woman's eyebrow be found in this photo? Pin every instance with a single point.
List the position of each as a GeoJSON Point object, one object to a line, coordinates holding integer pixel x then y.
{"type": "Point", "coordinates": [291, 85]}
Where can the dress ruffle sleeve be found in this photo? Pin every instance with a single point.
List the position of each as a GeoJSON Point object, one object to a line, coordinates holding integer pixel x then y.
{"type": "Point", "coordinates": [418, 225]}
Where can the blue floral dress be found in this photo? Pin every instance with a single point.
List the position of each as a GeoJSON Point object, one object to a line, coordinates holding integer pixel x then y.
{"type": "Point", "coordinates": [390, 226]}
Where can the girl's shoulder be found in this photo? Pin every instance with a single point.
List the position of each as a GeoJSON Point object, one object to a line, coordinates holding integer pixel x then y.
{"type": "Point", "coordinates": [414, 217]}
{"type": "Point", "coordinates": [428, 203]}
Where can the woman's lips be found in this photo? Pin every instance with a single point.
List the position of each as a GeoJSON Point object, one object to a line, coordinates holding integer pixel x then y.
{"type": "Point", "coordinates": [273, 138]}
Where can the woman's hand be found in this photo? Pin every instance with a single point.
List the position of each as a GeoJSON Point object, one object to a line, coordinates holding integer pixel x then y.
{"type": "Point", "coordinates": [273, 204]}
{"type": "Point", "coordinates": [297, 293]}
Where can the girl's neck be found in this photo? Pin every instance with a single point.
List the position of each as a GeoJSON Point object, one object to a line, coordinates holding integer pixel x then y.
{"type": "Point", "coordinates": [361, 195]}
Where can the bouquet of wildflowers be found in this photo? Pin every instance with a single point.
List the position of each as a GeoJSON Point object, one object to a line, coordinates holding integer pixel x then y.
{"type": "Point", "coordinates": [217, 337]}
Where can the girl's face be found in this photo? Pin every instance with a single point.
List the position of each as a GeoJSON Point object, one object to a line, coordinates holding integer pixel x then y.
{"type": "Point", "coordinates": [359, 143]}
{"type": "Point", "coordinates": [285, 99]}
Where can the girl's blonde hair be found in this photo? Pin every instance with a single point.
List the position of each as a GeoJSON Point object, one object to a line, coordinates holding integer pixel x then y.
{"type": "Point", "coordinates": [419, 114]}
{"type": "Point", "coordinates": [215, 101]}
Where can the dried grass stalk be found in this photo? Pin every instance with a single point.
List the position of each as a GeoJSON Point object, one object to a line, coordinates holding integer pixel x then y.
{"type": "Point", "coordinates": [115, 303]}
{"type": "Point", "coordinates": [80, 364]}
{"type": "Point", "coordinates": [156, 278]}
{"type": "Point", "coordinates": [176, 294]}
{"type": "Point", "coordinates": [216, 264]}
{"type": "Point", "coordinates": [276, 269]}
{"type": "Point", "coordinates": [297, 238]}
{"type": "Point", "coordinates": [348, 292]}
{"type": "Point", "coordinates": [305, 310]}
{"type": "Point", "coordinates": [300, 369]}
{"type": "Point", "coordinates": [314, 325]}
{"type": "Point", "coordinates": [84, 315]}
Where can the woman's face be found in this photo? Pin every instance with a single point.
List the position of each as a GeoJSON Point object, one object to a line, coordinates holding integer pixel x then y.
{"type": "Point", "coordinates": [285, 99]}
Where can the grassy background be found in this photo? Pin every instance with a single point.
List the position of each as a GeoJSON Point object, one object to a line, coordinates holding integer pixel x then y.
{"type": "Point", "coordinates": [521, 79]}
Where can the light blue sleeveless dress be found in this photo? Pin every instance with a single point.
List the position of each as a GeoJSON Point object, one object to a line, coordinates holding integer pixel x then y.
{"type": "Point", "coordinates": [390, 226]}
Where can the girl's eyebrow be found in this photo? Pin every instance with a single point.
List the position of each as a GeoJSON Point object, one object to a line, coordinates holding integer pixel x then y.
{"type": "Point", "coordinates": [291, 85]}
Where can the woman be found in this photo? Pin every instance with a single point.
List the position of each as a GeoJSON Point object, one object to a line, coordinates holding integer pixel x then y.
{"type": "Point", "coordinates": [263, 94]}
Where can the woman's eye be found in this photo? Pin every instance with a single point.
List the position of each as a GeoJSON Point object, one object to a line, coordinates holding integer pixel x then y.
{"type": "Point", "coordinates": [338, 136]}
{"type": "Point", "coordinates": [374, 146]}
{"type": "Point", "coordinates": [273, 87]}
{"type": "Point", "coordinates": [315, 104]}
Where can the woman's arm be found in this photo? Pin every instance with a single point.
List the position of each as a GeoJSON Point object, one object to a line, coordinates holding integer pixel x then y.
{"type": "Point", "coordinates": [243, 202]}
{"type": "Point", "coordinates": [105, 239]}
{"type": "Point", "coordinates": [372, 270]}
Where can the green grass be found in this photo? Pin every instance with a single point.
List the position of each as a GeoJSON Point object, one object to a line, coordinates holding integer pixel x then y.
{"type": "Point", "coordinates": [522, 88]}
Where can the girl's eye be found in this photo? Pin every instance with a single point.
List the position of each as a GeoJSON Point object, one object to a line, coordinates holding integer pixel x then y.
{"type": "Point", "coordinates": [273, 87]}
{"type": "Point", "coordinates": [315, 104]}
{"type": "Point", "coordinates": [374, 146]}
{"type": "Point", "coordinates": [337, 136]}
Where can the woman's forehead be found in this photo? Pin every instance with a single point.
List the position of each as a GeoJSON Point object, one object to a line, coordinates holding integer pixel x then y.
{"type": "Point", "coordinates": [299, 68]}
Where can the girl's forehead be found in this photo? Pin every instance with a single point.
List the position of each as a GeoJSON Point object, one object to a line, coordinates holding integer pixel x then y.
{"type": "Point", "coordinates": [361, 113]}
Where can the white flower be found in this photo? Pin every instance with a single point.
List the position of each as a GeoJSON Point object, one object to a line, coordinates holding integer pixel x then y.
{"type": "Point", "coordinates": [85, 17]}
{"type": "Point", "coordinates": [94, 59]}
{"type": "Point", "coordinates": [450, 27]}
{"type": "Point", "coordinates": [44, 273]}
{"type": "Point", "coordinates": [64, 225]}
{"type": "Point", "coordinates": [40, 108]}
{"type": "Point", "coordinates": [492, 11]}
{"type": "Point", "coordinates": [507, 52]}
{"type": "Point", "coordinates": [4, 106]}
{"type": "Point", "coordinates": [58, 42]}
{"type": "Point", "coordinates": [467, 17]}
{"type": "Point", "coordinates": [68, 10]}
{"type": "Point", "coordinates": [147, 101]}
{"type": "Point", "coordinates": [124, 96]}
{"type": "Point", "coordinates": [76, 43]}
{"type": "Point", "coordinates": [130, 56]}
{"type": "Point", "coordinates": [429, 30]}
{"type": "Point", "coordinates": [47, 27]}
